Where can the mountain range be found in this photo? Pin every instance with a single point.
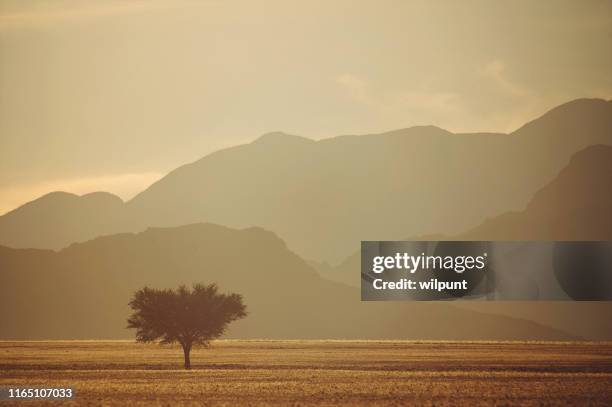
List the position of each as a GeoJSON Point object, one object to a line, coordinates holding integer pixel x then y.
{"type": "Point", "coordinates": [576, 205]}
{"type": "Point", "coordinates": [83, 291]}
{"type": "Point", "coordinates": [68, 263]}
{"type": "Point", "coordinates": [323, 197]}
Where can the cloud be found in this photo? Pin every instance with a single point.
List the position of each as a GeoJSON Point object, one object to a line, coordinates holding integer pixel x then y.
{"type": "Point", "coordinates": [496, 72]}
{"type": "Point", "coordinates": [398, 105]}
{"type": "Point", "coordinates": [359, 90]}
{"type": "Point", "coordinates": [515, 104]}
{"type": "Point", "coordinates": [123, 185]}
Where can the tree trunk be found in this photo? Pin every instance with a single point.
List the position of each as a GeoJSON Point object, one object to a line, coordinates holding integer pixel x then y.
{"type": "Point", "coordinates": [186, 350]}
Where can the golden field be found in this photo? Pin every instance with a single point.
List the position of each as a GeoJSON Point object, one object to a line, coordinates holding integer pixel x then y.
{"type": "Point", "coordinates": [267, 372]}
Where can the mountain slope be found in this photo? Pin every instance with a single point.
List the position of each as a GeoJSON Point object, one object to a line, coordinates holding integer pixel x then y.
{"type": "Point", "coordinates": [83, 291]}
{"type": "Point", "coordinates": [57, 219]}
{"type": "Point", "coordinates": [323, 197]}
{"type": "Point", "coordinates": [576, 205]}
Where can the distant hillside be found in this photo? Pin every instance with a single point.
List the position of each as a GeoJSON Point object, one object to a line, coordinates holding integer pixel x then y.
{"type": "Point", "coordinates": [57, 219]}
{"type": "Point", "coordinates": [576, 205]}
{"type": "Point", "coordinates": [83, 291]}
{"type": "Point", "coordinates": [323, 197]}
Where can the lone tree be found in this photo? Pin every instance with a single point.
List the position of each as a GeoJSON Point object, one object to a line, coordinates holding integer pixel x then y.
{"type": "Point", "coordinates": [187, 316]}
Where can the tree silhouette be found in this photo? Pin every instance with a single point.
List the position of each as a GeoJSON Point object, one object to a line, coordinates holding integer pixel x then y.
{"type": "Point", "coordinates": [187, 316]}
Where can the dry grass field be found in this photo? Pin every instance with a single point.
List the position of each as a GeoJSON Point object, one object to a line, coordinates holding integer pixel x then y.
{"type": "Point", "coordinates": [316, 372]}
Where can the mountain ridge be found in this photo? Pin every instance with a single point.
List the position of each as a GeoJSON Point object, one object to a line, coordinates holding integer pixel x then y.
{"type": "Point", "coordinates": [323, 196]}
{"type": "Point", "coordinates": [82, 291]}
{"type": "Point", "coordinates": [576, 205]}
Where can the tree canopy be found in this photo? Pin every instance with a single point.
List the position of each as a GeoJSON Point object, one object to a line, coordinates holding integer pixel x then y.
{"type": "Point", "coordinates": [188, 316]}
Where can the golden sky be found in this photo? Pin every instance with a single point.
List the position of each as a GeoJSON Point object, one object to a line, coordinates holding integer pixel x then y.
{"type": "Point", "coordinates": [112, 94]}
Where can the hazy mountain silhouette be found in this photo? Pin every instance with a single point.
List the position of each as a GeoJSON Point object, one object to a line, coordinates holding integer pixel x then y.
{"type": "Point", "coordinates": [576, 205]}
{"type": "Point", "coordinates": [83, 291]}
{"type": "Point", "coordinates": [59, 218]}
{"type": "Point", "coordinates": [323, 197]}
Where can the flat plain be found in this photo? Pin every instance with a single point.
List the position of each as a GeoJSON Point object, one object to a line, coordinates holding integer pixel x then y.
{"type": "Point", "coordinates": [269, 372]}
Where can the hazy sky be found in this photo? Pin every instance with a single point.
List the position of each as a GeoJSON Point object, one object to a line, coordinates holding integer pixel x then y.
{"type": "Point", "coordinates": [112, 94]}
